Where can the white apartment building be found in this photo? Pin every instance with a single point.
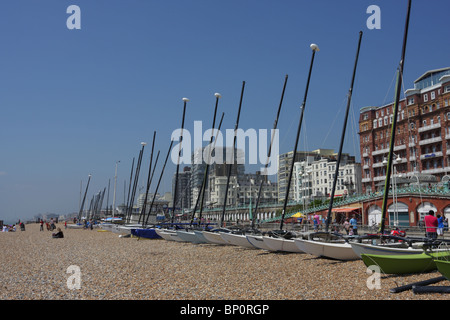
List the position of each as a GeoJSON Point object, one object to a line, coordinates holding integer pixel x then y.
{"type": "Point", "coordinates": [314, 179]}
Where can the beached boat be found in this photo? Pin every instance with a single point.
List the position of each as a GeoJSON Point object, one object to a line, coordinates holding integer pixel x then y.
{"type": "Point", "coordinates": [170, 235]}
{"type": "Point", "coordinates": [149, 233]}
{"type": "Point", "coordinates": [332, 250]}
{"type": "Point", "coordinates": [281, 244]}
{"type": "Point", "coordinates": [258, 242]}
{"type": "Point", "coordinates": [405, 263]}
{"type": "Point", "coordinates": [236, 239]}
{"type": "Point", "coordinates": [188, 236]}
{"type": "Point", "coordinates": [443, 267]}
{"type": "Point", "coordinates": [387, 249]}
{"type": "Point", "coordinates": [214, 237]}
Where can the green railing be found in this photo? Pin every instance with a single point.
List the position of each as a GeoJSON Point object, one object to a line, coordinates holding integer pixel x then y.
{"type": "Point", "coordinates": [339, 202]}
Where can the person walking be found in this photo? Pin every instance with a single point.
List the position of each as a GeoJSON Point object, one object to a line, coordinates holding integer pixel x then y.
{"type": "Point", "coordinates": [354, 224]}
{"type": "Point", "coordinates": [440, 228]}
{"type": "Point", "coordinates": [431, 224]}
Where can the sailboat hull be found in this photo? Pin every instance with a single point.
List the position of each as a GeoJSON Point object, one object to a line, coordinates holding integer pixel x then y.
{"type": "Point", "coordinates": [169, 235]}
{"type": "Point", "coordinates": [189, 236]}
{"type": "Point", "coordinates": [443, 267]}
{"type": "Point", "coordinates": [236, 240]}
{"type": "Point", "coordinates": [281, 244]}
{"type": "Point", "coordinates": [404, 264]}
{"type": "Point", "coordinates": [365, 248]}
{"type": "Point", "coordinates": [258, 242]}
{"type": "Point", "coordinates": [338, 251]}
{"type": "Point", "coordinates": [145, 233]}
{"type": "Point", "coordinates": [214, 237]}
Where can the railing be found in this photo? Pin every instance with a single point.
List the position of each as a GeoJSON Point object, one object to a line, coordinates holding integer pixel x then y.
{"type": "Point", "coordinates": [422, 191]}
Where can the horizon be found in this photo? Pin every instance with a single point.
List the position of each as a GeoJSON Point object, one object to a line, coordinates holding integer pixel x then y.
{"type": "Point", "coordinates": [76, 101]}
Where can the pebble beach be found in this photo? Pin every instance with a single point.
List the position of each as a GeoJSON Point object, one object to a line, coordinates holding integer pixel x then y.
{"type": "Point", "coordinates": [37, 267]}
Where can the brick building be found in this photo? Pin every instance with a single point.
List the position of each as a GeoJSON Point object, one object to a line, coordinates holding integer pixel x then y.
{"type": "Point", "coordinates": [422, 138]}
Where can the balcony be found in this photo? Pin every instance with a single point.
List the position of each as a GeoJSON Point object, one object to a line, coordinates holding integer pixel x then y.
{"type": "Point", "coordinates": [379, 178]}
{"type": "Point", "coordinates": [429, 141]}
{"type": "Point", "coordinates": [382, 151]}
{"type": "Point", "coordinates": [430, 127]}
{"type": "Point", "coordinates": [431, 155]}
{"type": "Point", "coordinates": [365, 180]}
{"type": "Point", "coordinates": [401, 147]}
{"type": "Point", "coordinates": [434, 170]}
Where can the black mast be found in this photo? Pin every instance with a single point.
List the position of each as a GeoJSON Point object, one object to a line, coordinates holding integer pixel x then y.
{"type": "Point", "coordinates": [84, 198]}
{"type": "Point", "coordinates": [148, 178]}
{"type": "Point", "coordinates": [178, 162]}
{"type": "Point", "coordinates": [206, 173]}
{"type": "Point", "coordinates": [336, 173]}
{"type": "Point", "coordinates": [394, 121]}
{"type": "Point", "coordinates": [159, 181]}
{"type": "Point", "coordinates": [314, 48]}
{"type": "Point", "coordinates": [270, 151]}
{"type": "Point", "coordinates": [230, 165]}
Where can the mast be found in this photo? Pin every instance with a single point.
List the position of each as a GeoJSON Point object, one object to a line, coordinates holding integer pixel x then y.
{"type": "Point", "coordinates": [394, 121]}
{"type": "Point", "coordinates": [206, 174]}
{"type": "Point", "coordinates": [314, 48]}
{"type": "Point", "coordinates": [230, 166]}
{"type": "Point", "coordinates": [151, 179]}
{"type": "Point", "coordinates": [178, 161]}
{"type": "Point", "coordinates": [114, 194]}
{"type": "Point", "coordinates": [201, 194]}
{"type": "Point", "coordinates": [84, 198]}
{"type": "Point", "coordinates": [270, 150]}
{"type": "Point", "coordinates": [136, 179]}
{"type": "Point", "coordinates": [336, 173]}
{"type": "Point", "coordinates": [159, 181]}
{"type": "Point", "coordinates": [129, 189]}
{"type": "Point", "coordinates": [148, 178]}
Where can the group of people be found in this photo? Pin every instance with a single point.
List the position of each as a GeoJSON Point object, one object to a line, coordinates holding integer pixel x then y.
{"type": "Point", "coordinates": [52, 226]}
{"type": "Point", "coordinates": [435, 226]}
{"type": "Point", "coordinates": [12, 228]}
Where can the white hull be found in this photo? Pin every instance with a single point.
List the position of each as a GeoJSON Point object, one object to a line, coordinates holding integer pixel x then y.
{"type": "Point", "coordinates": [366, 248]}
{"type": "Point", "coordinates": [169, 235]}
{"type": "Point", "coordinates": [200, 235]}
{"type": "Point", "coordinates": [239, 240]}
{"type": "Point", "coordinates": [338, 251]}
{"type": "Point", "coordinates": [281, 244]}
{"type": "Point", "coordinates": [258, 242]}
{"type": "Point", "coordinates": [188, 236]}
{"type": "Point", "coordinates": [214, 237]}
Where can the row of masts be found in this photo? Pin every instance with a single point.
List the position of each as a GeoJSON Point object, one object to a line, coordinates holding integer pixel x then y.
{"type": "Point", "coordinates": [146, 213]}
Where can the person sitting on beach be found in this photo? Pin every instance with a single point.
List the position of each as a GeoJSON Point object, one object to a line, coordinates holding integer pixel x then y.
{"type": "Point", "coordinates": [58, 234]}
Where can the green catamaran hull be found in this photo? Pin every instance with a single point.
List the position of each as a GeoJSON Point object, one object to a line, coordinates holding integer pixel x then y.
{"type": "Point", "coordinates": [443, 267]}
{"type": "Point", "coordinates": [404, 264]}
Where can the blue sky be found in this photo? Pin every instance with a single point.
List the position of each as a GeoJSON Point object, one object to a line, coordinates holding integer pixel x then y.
{"type": "Point", "coordinates": [73, 102]}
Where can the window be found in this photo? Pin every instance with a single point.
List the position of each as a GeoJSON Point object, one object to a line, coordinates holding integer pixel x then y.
{"type": "Point", "coordinates": [410, 101]}
{"type": "Point", "coordinates": [447, 89]}
{"type": "Point", "coordinates": [432, 95]}
{"type": "Point", "coordinates": [385, 121]}
{"type": "Point", "coordinates": [375, 124]}
{"type": "Point", "coordinates": [424, 122]}
{"type": "Point", "coordinates": [425, 97]}
{"type": "Point", "coordinates": [380, 122]}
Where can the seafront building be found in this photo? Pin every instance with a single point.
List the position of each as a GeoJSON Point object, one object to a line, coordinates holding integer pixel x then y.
{"type": "Point", "coordinates": [422, 138]}
{"type": "Point", "coordinates": [318, 188]}
{"type": "Point", "coordinates": [313, 179]}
